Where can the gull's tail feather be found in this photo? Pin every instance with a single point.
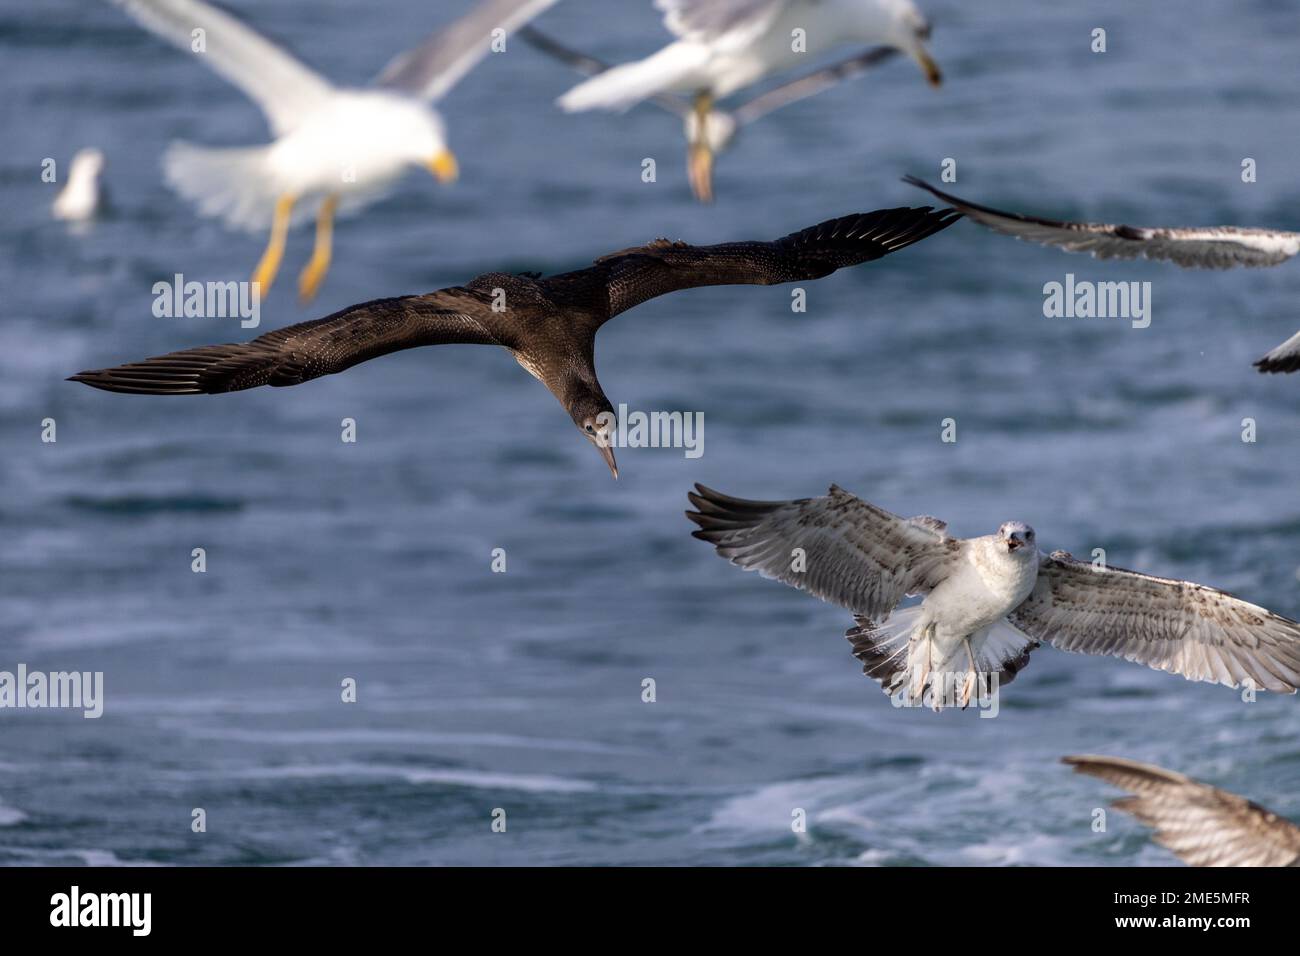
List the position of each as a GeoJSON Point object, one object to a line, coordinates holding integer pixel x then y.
{"type": "Point", "coordinates": [906, 665]}
{"type": "Point", "coordinates": [884, 648]}
{"type": "Point", "coordinates": [624, 86]}
{"type": "Point", "coordinates": [230, 184]}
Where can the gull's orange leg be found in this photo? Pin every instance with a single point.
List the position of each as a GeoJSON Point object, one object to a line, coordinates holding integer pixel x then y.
{"type": "Point", "coordinates": [314, 272]}
{"type": "Point", "coordinates": [699, 159]}
{"type": "Point", "coordinates": [269, 264]}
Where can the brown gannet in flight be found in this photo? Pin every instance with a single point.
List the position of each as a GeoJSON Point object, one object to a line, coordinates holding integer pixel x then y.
{"type": "Point", "coordinates": [334, 148]}
{"type": "Point", "coordinates": [989, 601]}
{"type": "Point", "coordinates": [1207, 247]}
{"type": "Point", "coordinates": [548, 324]}
{"type": "Point", "coordinates": [716, 132]}
{"type": "Point", "coordinates": [1203, 825]}
{"type": "Point", "coordinates": [723, 46]}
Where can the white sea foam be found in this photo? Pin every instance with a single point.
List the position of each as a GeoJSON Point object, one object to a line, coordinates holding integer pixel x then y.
{"type": "Point", "coordinates": [379, 735]}
{"type": "Point", "coordinates": [10, 815]}
{"type": "Point", "coordinates": [486, 780]}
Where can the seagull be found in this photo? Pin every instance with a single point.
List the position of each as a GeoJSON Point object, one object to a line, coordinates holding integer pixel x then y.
{"type": "Point", "coordinates": [724, 46]}
{"type": "Point", "coordinates": [549, 325]}
{"type": "Point", "coordinates": [1284, 358]}
{"type": "Point", "coordinates": [717, 131]}
{"type": "Point", "coordinates": [78, 200]}
{"type": "Point", "coordinates": [989, 601]}
{"type": "Point", "coordinates": [334, 148]}
{"type": "Point", "coordinates": [1203, 825]}
{"type": "Point", "coordinates": [1206, 247]}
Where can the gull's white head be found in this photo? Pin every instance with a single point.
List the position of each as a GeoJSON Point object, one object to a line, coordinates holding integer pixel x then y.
{"type": "Point", "coordinates": [900, 24]}
{"type": "Point", "coordinates": [408, 131]}
{"type": "Point", "coordinates": [1016, 536]}
{"type": "Point", "coordinates": [425, 144]}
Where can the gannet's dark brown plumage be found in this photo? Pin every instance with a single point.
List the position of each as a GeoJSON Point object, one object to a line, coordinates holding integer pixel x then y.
{"type": "Point", "coordinates": [548, 324]}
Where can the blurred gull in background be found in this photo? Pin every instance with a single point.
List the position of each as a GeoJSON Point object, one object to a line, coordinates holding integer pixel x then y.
{"type": "Point", "coordinates": [78, 201]}
{"type": "Point", "coordinates": [338, 148]}
{"type": "Point", "coordinates": [723, 46]}
{"type": "Point", "coordinates": [714, 132]}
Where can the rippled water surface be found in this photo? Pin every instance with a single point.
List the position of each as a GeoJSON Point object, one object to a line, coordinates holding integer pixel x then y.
{"type": "Point", "coordinates": [522, 691]}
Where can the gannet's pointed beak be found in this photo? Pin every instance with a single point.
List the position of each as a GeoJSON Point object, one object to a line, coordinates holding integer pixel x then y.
{"type": "Point", "coordinates": [444, 166]}
{"type": "Point", "coordinates": [607, 453]}
{"type": "Point", "coordinates": [933, 75]}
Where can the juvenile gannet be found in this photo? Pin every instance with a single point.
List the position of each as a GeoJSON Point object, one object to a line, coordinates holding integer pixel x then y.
{"type": "Point", "coordinates": [549, 325]}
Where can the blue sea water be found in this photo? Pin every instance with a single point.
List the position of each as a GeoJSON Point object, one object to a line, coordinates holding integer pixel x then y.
{"type": "Point", "coordinates": [522, 691]}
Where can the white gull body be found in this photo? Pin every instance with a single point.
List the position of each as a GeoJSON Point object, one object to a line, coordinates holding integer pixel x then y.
{"type": "Point", "coordinates": [333, 149]}
{"type": "Point", "coordinates": [726, 45]}
{"type": "Point", "coordinates": [78, 200]}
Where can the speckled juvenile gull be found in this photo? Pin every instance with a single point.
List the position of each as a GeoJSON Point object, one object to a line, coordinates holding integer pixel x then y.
{"type": "Point", "coordinates": [1206, 247]}
{"type": "Point", "coordinates": [1195, 247]}
{"type": "Point", "coordinates": [1203, 825]}
{"type": "Point", "coordinates": [989, 601]}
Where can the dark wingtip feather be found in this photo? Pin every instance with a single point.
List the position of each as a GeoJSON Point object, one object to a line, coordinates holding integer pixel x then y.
{"type": "Point", "coordinates": [938, 193]}
{"type": "Point", "coordinates": [719, 515]}
{"type": "Point", "coordinates": [128, 381]}
{"type": "Point", "coordinates": [1268, 366]}
{"type": "Point", "coordinates": [882, 230]}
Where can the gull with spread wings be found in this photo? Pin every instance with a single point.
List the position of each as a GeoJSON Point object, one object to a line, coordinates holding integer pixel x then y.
{"type": "Point", "coordinates": [548, 324]}
{"type": "Point", "coordinates": [714, 133]}
{"type": "Point", "coordinates": [1193, 247]}
{"type": "Point", "coordinates": [335, 148]}
{"type": "Point", "coordinates": [1203, 825]}
{"type": "Point", "coordinates": [989, 601]}
{"type": "Point", "coordinates": [723, 46]}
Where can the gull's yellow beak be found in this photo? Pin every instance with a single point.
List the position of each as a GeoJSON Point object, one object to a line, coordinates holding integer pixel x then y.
{"type": "Point", "coordinates": [444, 166]}
{"type": "Point", "coordinates": [933, 75]}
